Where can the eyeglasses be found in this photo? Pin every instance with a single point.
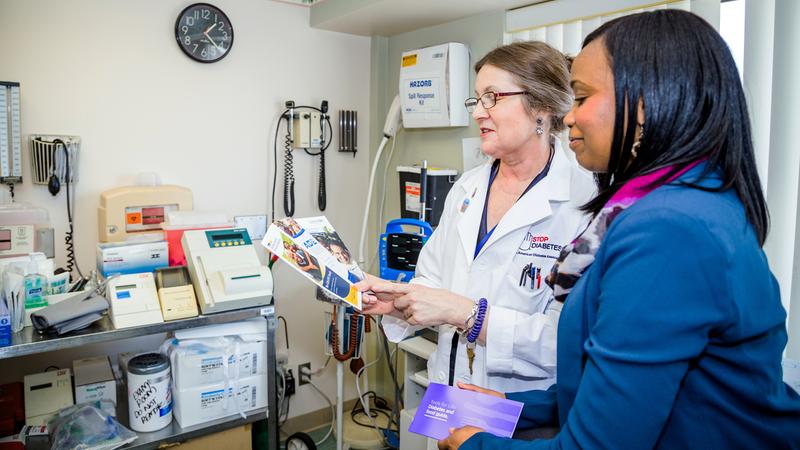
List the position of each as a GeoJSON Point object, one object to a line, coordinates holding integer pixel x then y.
{"type": "Point", "coordinates": [487, 99]}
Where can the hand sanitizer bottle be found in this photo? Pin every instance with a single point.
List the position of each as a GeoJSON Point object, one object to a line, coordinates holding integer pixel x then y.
{"type": "Point", "coordinates": [34, 284]}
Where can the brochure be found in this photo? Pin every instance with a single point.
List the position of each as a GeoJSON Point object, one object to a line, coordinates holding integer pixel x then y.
{"type": "Point", "coordinates": [444, 407]}
{"type": "Point", "coordinates": [312, 246]}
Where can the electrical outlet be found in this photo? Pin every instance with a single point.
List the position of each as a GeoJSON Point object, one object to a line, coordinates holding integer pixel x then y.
{"type": "Point", "coordinates": [289, 389]}
{"type": "Point", "coordinates": [302, 370]}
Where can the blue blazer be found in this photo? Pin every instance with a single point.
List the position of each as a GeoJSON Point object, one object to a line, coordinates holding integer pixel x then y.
{"type": "Point", "coordinates": [672, 339]}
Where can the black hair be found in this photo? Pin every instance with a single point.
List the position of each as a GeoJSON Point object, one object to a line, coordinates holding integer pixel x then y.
{"type": "Point", "coordinates": [681, 70]}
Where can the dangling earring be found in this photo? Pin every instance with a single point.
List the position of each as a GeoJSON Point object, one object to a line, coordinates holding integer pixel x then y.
{"type": "Point", "coordinates": [638, 143]}
{"type": "Point", "coordinates": [539, 128]}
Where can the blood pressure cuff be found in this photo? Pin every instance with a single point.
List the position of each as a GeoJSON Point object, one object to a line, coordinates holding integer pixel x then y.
{"type": "Point", "coordinates": [74, 313]}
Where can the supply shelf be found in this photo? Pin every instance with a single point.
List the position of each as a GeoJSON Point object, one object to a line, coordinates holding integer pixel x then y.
{"type": "Point", "coordinates": [29, 342]}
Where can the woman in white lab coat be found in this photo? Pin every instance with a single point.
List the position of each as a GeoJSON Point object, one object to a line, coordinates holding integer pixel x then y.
{"type": "Point", "coordinates": [503, 226]}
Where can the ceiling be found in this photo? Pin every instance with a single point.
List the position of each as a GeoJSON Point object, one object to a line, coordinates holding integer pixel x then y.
{"type": "Point", "coordinates": [300, 2]}
{"type": "Point", "coordinates": [391, 17]}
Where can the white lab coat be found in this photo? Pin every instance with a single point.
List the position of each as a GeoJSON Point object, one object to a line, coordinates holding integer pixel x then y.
{"type": "Point", "coordinates": [520, 350]}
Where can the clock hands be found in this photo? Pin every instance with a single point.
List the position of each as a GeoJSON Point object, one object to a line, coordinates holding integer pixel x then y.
{"type": "Point", "coordinates": [205, 33]}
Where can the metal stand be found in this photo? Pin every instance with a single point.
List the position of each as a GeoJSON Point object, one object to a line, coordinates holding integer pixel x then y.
{"type": "Point", "coordinates": [340, 382]}
{"type": "Point", "coordinates": [273, 437]}
{"type": "Point", "coordinates": [29, 342]}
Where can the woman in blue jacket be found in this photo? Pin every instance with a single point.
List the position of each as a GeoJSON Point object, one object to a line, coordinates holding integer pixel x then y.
{"type": "Point", "coordinates": [672, 328]}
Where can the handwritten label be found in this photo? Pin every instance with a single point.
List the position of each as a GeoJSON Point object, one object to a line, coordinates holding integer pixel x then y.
{"type": "Point", "coordinates": [150, 400]}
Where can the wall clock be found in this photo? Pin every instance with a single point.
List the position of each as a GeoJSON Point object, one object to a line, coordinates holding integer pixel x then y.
{"type": "Point", "coordinates": [204, 32]}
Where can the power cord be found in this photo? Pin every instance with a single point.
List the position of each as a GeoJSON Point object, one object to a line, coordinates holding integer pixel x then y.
{"type": "Point", "coordinates": [275, 161]}
{"type": "Point", "coordinates": [381, 407]}
{"type": "Point", "coordinates": [307, 376]}
{"type": "Point", "coordinates": [333, 412]}
{"type": "Point", "coordinates": [288, 176]}
{"type": "Point", "coordinates": [284, 400]}
{"type": "Point", "coordinates": [285, 330]}
{"type": "Point", "coordinates": [353, 342]}
{"type": "Point", "coordinates": [397, 405]}
{"type": "Point", "coordinates": [371, 265]}
{"type": "Point", "coordinates": [363, 402]}
{"type": "Point", "coordinates": [69, 235]}
{"type": "Point", "coordinates": [289, 180]}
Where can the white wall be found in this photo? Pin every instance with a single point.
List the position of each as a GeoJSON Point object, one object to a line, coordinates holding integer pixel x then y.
{"type": "Point", "coordinates": [111, 72]}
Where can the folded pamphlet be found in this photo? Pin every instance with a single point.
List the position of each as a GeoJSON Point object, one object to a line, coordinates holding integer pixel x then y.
{"type": "Point", "coordinates": [312, 247]}
{"type": "Point", "coordinates": [444, 407]}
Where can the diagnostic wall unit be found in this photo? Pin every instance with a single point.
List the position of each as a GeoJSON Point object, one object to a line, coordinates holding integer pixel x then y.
{"type": "Point", "coordinates": [434, 82]}
{"type": "Point", "coordinates": [10, 134]}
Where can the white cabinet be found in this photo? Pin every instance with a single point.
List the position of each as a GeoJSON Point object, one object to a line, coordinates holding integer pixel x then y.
{"type": "Point", "coordinates": [416, 351]}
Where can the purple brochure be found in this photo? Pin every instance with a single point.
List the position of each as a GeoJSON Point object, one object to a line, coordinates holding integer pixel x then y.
{"type": "Point", "coordinates": [444, 407]}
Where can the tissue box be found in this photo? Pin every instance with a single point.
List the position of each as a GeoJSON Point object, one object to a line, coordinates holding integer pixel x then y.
{"type": "Point", "coordinates": [201, 404]}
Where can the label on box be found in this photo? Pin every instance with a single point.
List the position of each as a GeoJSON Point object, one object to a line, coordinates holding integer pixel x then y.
{"type": "Point", "coordinates": [210, 400]}
{"type": "Point", "coordinates": [209, 365]}
{"type": "Point", "coordinates": [98, 391]}
{"type": "Point", "coordinates": [129, 259]}
{"type": "Point", "coordinates": [412, 196]}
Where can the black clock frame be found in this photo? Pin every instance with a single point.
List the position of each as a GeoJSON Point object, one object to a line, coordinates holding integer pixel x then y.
{"type": "Point", "coordinates": [190, 54]}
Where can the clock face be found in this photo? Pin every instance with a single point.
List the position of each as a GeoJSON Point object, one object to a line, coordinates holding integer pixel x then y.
{"type": "Point", "coordinates": [204, 32]}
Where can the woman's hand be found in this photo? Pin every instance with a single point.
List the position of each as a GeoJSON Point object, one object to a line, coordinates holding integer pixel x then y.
{"type": "Point", "coordinates": [379, 307]}
{"type": "Point", "coordinates": [375, 289]}
{"type": "Point", "coordinates": [457, 437]}
{"type": "Point", "coordinates": [425, 306]}
{"type": "Point", "coordinates": [473, 388]}
{"type": "Point", "coordinates": [417, 304]}
{"type": "Point", "coordinates": [376, 296]}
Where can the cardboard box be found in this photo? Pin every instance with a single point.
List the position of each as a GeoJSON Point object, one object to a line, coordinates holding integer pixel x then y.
{"type": "Point", "coordinates": [205, 403]}
{"type": "Point", "coordinates": [239, 438]}
{"type": "Point", "coordinates": [202, 363]}
{"type": "Point", "coordinates": [94, 380]}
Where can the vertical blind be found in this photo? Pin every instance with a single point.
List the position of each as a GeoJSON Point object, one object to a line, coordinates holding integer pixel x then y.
{"type": "Point", "coordinates": [567, 35]}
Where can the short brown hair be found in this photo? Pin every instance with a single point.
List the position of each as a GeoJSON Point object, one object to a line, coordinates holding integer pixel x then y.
{"type": "Point", "coordinates": [541, 71]}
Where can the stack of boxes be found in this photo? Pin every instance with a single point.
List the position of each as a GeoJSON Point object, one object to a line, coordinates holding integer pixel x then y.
{"type": "Point", "coordinates": [217, 377]}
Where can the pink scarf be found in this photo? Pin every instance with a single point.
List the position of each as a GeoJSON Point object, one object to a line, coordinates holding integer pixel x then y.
{"type": "Point", "coordinates": [576, 257]}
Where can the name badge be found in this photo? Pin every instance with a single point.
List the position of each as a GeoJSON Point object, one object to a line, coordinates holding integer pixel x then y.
{"type": "Point", "coordinates": [465, 203]}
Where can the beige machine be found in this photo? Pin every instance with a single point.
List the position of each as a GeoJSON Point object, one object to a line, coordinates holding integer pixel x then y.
{"type": "Point", "coordinates": [225, 270]}
{"type": "Point", "coordinates": [45, 394]}
{"type": "Point", "coordinates": [129, 210]}
{"type": "Point", "coordinates": [176, 293]}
